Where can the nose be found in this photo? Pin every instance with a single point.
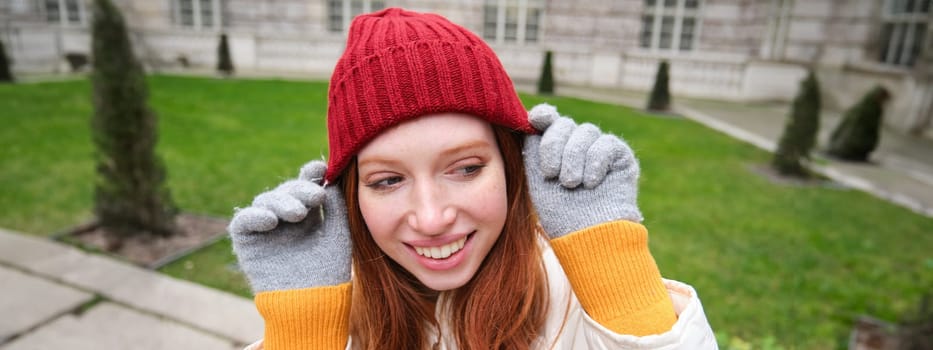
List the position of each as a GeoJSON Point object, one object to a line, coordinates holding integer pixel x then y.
{"type": "Point", "coordinates": [431, 213]}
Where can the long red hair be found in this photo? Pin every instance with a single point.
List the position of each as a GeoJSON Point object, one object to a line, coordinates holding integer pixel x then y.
{"type": "Point", "coordinates": [503, 307]}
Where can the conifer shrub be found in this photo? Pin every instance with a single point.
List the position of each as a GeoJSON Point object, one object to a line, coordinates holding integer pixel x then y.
{"type": "Point", "coordinates": [6, 75]}
{"type": "Point", "coordinates": [183, 61]}
{"type": "Point", "coordinates": [916, 328]}
{"type": "Point", "coordinates": [857, 135]}
{"type": "Point", "coordinates": [76, 61]}
{"type": "Point", "coordinates": [224, 62]}
{"type": "Point", "coordinates": [546, 81]}
{"type": "Point", "coordinates": [660, 97]}
{"type": "Point", "coordinates": [801, 129]}
{"type": "Point", "coordinates": [130, 196]}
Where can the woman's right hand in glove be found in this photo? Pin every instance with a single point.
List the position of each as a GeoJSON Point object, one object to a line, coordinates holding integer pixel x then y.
{"type": "Point", "coordinates": [294, 236]}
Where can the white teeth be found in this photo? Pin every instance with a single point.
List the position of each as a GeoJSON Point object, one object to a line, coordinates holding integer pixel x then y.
{"type": "Point", "coordinates": [443, 251]}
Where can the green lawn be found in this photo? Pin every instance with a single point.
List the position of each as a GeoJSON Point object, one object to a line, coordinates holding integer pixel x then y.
{"type": "Point", "coordinates": [774, 264]}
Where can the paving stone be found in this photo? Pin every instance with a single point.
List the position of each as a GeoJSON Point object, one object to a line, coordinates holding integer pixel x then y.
{"type": "Point", "coordinates": [29, 301]}
{"type": "Point", "coordinates": [109, 326]}
{"type": "Point", "coordinates": [218, 312]}
{"type": "Point", "coordinates": [22, 250]}
{"type": "Point", "coordinates": [215, 311]}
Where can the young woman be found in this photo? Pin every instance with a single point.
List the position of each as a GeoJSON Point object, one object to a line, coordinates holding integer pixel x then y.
{"type": "Point", "coordinates": [464, 228]}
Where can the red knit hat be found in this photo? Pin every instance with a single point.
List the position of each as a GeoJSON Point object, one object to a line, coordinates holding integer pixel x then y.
{"type": "Point", "coordinates": [399, 65]}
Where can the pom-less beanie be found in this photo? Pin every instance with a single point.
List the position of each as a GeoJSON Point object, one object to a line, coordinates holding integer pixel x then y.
{"type": "Point", "coordinates": [399, 65]}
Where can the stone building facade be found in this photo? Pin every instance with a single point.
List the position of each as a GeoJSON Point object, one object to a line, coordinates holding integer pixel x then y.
{"type": "Point", "coordinates": [740, 50]}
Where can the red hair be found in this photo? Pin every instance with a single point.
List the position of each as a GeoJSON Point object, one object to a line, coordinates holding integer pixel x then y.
{"type": "Point", "coordinates": [502, 307]}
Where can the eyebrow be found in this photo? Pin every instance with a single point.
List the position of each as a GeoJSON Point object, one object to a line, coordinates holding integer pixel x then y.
{"type": "Point", "coordinates": [447, 152]}
{"type": "Point", "coordinates": [465, 147]}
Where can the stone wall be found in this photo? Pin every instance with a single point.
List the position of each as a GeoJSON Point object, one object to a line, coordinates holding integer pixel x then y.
{"type": "Point", "coordinates": [741, 51]}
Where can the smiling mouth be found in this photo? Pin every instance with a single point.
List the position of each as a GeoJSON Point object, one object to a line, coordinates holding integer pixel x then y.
{"type": "Point", "coordinates": [442, 252]}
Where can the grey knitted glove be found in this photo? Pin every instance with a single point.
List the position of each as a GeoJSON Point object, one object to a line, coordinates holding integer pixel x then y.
{"type": "Point", "coordinates": [568, 155]}
{"type": "Point", "coordinates": [294, 236]}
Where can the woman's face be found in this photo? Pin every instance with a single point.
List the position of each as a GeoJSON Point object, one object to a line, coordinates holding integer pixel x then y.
{"type": "Point", "coordinates": [432, 192]}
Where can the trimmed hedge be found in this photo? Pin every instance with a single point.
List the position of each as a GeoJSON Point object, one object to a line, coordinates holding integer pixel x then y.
{"type": "Point", "coordinates": [801, 129]}
{"type": "Point", "coordinates": [224, 62]}
{"type": "Point", "coordinates": [660, 97]}
{"type": "Point", "coordinates": [546, 82]}
{"type": "Point", "coordinates": [6, 76]}
{"type": "Point", "coordinates": [129, 194]}
{"type": "Point", "coordinates": [858, 133]}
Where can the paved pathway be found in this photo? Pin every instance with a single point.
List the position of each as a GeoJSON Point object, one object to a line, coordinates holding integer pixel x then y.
{"type": "Point", "coordinates": [900, 171]}
{"type": "Point", "coordinates": [59, 297]}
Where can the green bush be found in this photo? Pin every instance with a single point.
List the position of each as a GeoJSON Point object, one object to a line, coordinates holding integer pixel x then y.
{"type": "Point", "coordinates": [546, 82]}
{"type": "Point", "coordinates": [916, 329]}
{"type": "Point", "coordinates": [857, 135]}
{"type": "Point", "coordinates": [224, 62]}
{"type": "Point", "coordinates": [801, 129]}
{"type": "Point", "coordinates": [6, 76]}
{"type": "Point", "coordinates": [660, 98]}
{"type": "Point", "coordinates": [76, 61]}
{"type": "Point", "coordinates": [129, 195]}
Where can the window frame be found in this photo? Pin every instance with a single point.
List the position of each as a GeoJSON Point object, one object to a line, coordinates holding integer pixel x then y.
{"type": "Point", "coordinates": [779, 18]}
{"type": "Point", "coordinates": [514, 22]}
{"type": "Point", "coordinates": [348, 11]}
{"type": "Point", "coordinates": [903, 37]}
{"type": "Point", "coordinates": [657, 12]}
{"type": "Point", "coordinates": [63, 16]}
{"type": "Point", "coordinates": [217, 21]}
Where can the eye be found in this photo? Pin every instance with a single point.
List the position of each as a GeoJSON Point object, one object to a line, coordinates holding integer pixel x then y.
{"type": "Point", "coordinates": [384, 183]}
{"type": "Point", "coordinates": [470, 170]}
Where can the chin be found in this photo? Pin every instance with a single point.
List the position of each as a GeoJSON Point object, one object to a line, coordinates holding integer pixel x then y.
{"type": "Point", "coordinates": [448, 281]}
{"type": "Point", "coordinates": [444, 286]}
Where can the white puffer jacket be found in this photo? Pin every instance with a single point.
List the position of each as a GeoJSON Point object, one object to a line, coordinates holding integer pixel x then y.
{"type": "Point", "coordinates": [569, 327]}
{"type": "Point", "coordinates": [691, 331]}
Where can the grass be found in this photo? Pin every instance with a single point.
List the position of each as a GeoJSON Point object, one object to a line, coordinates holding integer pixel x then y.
{"type": "Point", "coordinates": [776, 266]}
{"type": "Point", "coordinates": [212, 266]}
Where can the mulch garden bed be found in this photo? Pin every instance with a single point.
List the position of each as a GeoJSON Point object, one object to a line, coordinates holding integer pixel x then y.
{"type": "Point", "coordinates": [194, 232]}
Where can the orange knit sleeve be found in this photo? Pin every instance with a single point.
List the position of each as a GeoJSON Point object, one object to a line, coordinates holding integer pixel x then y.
{"type": "Point", "coordinates": [310, 318]}
{"type": "Point", "coordinates": [616, 279]}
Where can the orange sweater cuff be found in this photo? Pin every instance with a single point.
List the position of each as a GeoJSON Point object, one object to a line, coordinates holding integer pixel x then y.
{"type": "Point", "coordinates": [310, 318]}
{"type": "Point", "coordinates": [616, 279]}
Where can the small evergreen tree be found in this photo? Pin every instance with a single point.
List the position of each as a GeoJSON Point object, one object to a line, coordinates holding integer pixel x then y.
{"type": "Point", "coordinates": [6, 76]}
{"type": "Point", "coordinates": [660, 98]}
{"type": "Point", "coordinates": [129, 195]}
{"type": "Point", "coordinates": [916, 329]}
{"type": "Point", "coordinates": [224, 63]}
{"type": "Point", "coordinates": [801, 129]}
{"type": "Point", "coordinates": [77, 61]}
{"type": "Point", "coordinates": [857, 135]}
{"type": "Point", "coordinates": [546, 82]}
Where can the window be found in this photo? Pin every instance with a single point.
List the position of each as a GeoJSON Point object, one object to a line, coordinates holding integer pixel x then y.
{"type": "Point", "coordinates": [198, 14]}
{"type": "Point", "coordinates": [516, 21]}
{"type": "Point", "coordinates": [669, 24]}
{"type": "Point", "coordinates": [65, 12]}
{"type": "Point", "coordinates": [340, 12]}
{"type": "Point", "coordinates": [904, 27]}
{"type": "Point", "coordinates": [776, 35]}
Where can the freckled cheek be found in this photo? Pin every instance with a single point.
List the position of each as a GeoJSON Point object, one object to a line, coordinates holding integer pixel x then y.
{"type": "Point", "coordinates": [380, 216]}
{"type": "Point", "coordinates": [489, 203]}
